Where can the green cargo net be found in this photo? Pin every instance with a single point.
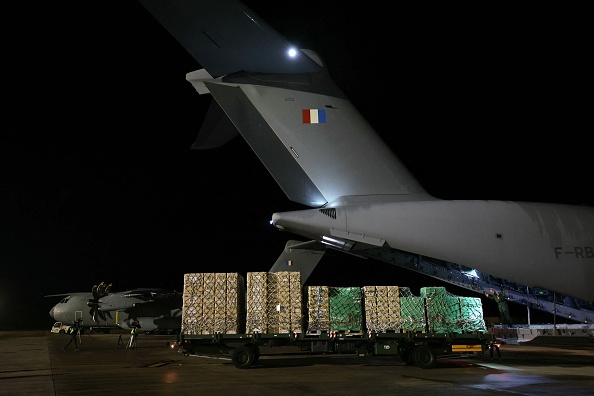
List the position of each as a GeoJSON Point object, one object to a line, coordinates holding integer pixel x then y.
{"type": "Point", "coordinates": [412, 311]}
{"type": "Point", "coordinates": [450, 313]}
{"type": "Point", "coordinates": [346, 312]}
{"type": "Point", "coordinates": [334, 309]}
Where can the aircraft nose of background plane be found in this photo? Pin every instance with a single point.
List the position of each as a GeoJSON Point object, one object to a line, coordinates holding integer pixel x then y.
{"type": "Point", "coordinates": [51, 312]}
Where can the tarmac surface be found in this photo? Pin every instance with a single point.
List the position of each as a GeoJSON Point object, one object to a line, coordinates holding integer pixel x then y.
{"type": "Point", "coordinates": [34, 363]}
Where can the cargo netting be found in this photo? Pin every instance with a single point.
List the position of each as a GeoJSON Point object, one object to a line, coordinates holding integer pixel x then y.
{"type": "Point", "coordinates": [334, 309]}
{"type": "Point", "coordinates": [274, 303]}
{"type": "Point", "coordinates": [213, 303]}
{"type": "Point", "coordinates": [383, 307]}
{"type": "Point", "coordinates": [449, 313]}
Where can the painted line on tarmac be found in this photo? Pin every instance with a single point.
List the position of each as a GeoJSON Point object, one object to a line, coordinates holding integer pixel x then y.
{"type": "Point", "coordinates": [211, 357]}
{"type": "Point", "coordinates": [161, 363]}
{"type": "Point", "coordinates": [499, 367]}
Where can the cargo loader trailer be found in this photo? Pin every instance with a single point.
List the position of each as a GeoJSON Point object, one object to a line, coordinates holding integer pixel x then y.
{"type": "Point", "coordinates": [223, 313]}
{"type": "Point", "coordinates": [419, 348]}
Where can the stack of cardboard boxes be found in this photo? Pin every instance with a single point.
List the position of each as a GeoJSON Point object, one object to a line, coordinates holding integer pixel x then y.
{"type": "Point", "coordinates": [382, 308]}
{"type": "Point", "coordinates": [273, 303]}
{"type": "Point", "coordinates": [213, 303]}
{"type": "Point", "coordinates": [318, 309]}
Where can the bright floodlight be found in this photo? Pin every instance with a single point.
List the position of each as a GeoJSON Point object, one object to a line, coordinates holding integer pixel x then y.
{"type": "Point", "coordinates": [292, 52]}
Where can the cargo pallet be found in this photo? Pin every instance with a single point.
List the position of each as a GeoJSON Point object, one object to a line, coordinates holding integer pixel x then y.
{"type": "Point", "coordinates": [420, 348]}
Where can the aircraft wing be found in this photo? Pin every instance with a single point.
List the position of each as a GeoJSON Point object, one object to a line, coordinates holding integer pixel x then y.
{"type": "Point", "coordinates": [135, 297]}
{"type": "Point", "coordinates": [68, 294]}
{"type": "Point", "coordinates": [148, 295]}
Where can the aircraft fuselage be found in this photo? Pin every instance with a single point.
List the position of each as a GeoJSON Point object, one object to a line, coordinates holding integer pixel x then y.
{"type": "Point", "coordinates": [534, 244]}
{"type": "Point", "coordinates": [162, 315]}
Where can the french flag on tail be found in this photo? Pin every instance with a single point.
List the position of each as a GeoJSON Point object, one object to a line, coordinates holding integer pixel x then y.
{"type": "Point", "coordinates": [290, 263]}
{"type": "Point", "coordinates": [314, 116]}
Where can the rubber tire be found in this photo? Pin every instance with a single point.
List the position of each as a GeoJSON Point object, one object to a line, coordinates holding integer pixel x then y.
{"type": "Point", "coordinates": [243, 357]}
{"type": "Point", "coordinates": [424, 357]}
{"type": "Point", "coordinates": [256, 350]}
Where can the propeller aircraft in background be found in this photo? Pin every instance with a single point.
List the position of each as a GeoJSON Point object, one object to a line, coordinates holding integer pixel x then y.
{"type": "Point", "coordinates": [157, 310]}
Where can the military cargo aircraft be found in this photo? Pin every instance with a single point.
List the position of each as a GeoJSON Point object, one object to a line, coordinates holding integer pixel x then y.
{"type": "Point", "coordinates": [323, 154]}
{"type": "Point", "coordinates": [157, 310]}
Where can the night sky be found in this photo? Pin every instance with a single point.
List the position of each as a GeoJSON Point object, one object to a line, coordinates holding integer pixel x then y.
{"type": "Point", "coordinates": [99, 182]}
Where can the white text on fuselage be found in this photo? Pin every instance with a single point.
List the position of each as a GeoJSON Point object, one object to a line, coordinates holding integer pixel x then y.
{"type": "Point", "coordinates": [577, 251]}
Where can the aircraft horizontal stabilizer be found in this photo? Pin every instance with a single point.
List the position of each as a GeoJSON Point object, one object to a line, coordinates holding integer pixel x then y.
{"type": "Point", "coordinates": [225, 37]}
{"type": "Point", "coordinates": [197, 78]}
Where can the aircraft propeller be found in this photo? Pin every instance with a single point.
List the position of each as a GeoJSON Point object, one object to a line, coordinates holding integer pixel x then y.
{"type": "Point", "coordinates": [98, 291]}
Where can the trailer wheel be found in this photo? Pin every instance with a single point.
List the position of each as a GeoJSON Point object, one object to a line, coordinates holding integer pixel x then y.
{"type": "Point", "coordinates": [424, 357]}
{"type": "Point", "coordinates": [256, 350]}
{"type": "Point", "coordinates": [243, 357]}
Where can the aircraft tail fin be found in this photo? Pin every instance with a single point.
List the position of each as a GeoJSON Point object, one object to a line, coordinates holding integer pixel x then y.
{"type": "Point", "coordinates": [299, 257]}
{"type": "Point", "coordinates": [282, 100]}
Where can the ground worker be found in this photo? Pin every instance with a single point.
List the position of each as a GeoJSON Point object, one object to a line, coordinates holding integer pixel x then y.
{"type": "Point", "coordinates": [502, 305]}
{"type": "Point", "coordinates": [73, 331]}
{"type": "Point", "coordinates": [133, 335]}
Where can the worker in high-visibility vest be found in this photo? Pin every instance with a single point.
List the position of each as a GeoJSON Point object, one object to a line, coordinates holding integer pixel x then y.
{"type": "Point", "coordinates": [73, 333]}
{"type": "Point", "coordinates": [133, 335]}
